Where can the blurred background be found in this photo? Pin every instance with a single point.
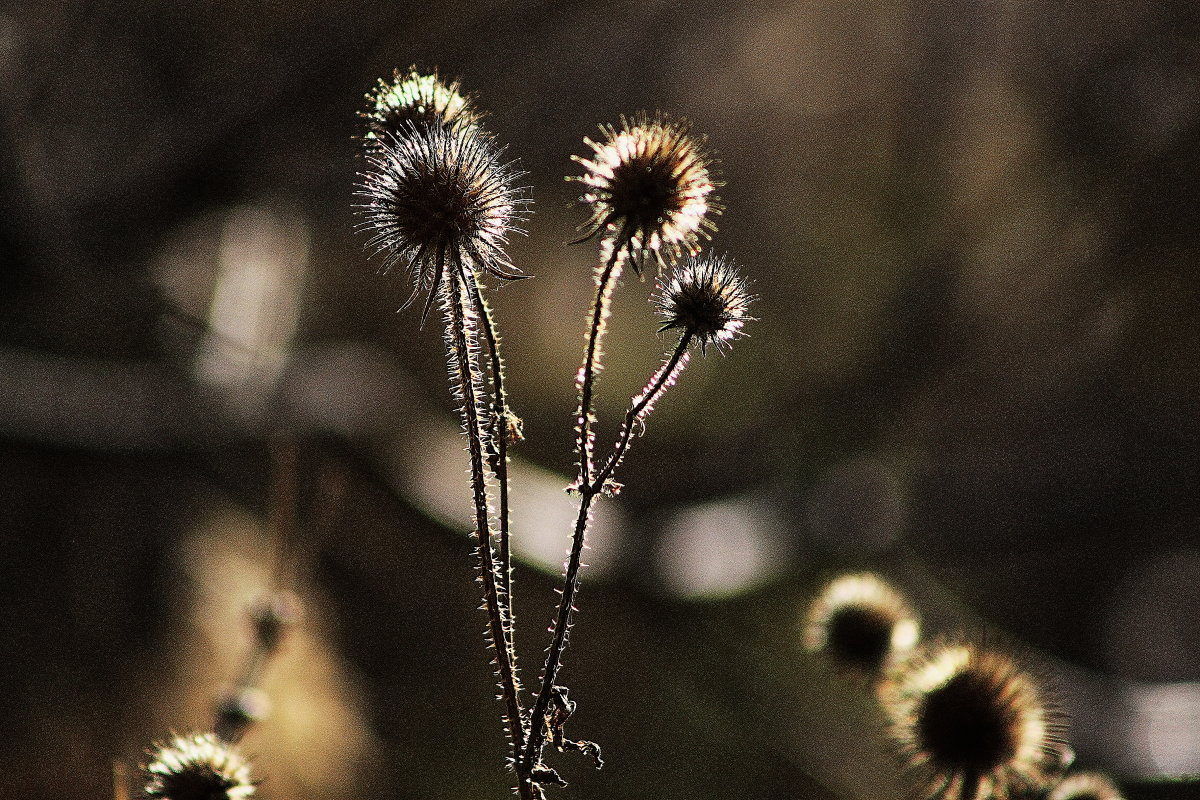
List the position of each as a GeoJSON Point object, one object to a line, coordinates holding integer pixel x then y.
{"type": "Point", "coordinates": [973, 230]}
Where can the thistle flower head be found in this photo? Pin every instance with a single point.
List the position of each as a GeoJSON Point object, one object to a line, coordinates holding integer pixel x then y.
{"type": "Point", "coordinates": [971, 722]}
{"type": "Point", "coordinates": [705, 297]}
{"type": "Point", "coordinates": [436, 198]}
{"type": "Point", "coordinates": [413, 98]}
{"type": "Point", "coordinates": [650, 189]}
{"type": "Point", "coordinates": [1085, 786]}
{"type": "Point", "coordinates": [196, 767]}
{"type": "Point", "coordinates": [860, 622]}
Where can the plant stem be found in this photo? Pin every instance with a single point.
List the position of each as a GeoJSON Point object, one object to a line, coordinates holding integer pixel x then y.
{"type": "Point", "coordinates": [464, 371]}
{"type": "Point", "coordinates": [500, 420]}
{"type": "Point", "coordinates": [641, 406]}
{"type": "Point", "coordinates": [585, 417]}
{"type": "Point", "coordinates": [605, 282]}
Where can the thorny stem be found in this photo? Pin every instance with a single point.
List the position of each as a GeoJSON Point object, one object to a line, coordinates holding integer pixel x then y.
{"type": "Point", "coordinates": [642, 405]}
{"type": "Point", "coordinates": [585, 444]}
{"type": "Point", "coordinates": [500, 415]}
{"type": "Point", "coordinates": [462, 371]}
{"type": "Point", "coordinates": [591, 362]}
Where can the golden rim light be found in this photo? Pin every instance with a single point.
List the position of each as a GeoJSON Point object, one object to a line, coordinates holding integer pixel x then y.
{"type": "Point", "coordinates": [197, 765]}
{"type": "Point", "coordinates": [869, 596]}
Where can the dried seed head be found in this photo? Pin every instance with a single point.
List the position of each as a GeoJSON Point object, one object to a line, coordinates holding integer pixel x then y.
{"type": "Point", "coordinates": [196, 767]}
{"type": "Point", "coordinates": [707, 298]}
{"type": "Point", "coordinates": [437, 197]}
{"type": "Point", "coordinates": [415, 99]}
{"type": "Point", "coordinates": [860, 622]}
{"type": "Point", "coordinates": [1085, 786]}
{"type": "Point", "coordinates": [971, 722]}
{"type": "Point", "coordinates": [650, 189]}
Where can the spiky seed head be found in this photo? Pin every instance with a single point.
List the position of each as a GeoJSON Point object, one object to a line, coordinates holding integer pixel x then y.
{"type": "Point", "coordinates": [970, 722]}
{"type": "Point", "coordinates": [196, 767]}
{"type": "Point", "coordinates": [650, 189]}
{"type": "Point", "coordinates": [860, 622]}
{"type": "Point", "coordinates": [413, 98]}
{"type": "Point", "coordinates": [1085, 786]}
{"type": "Point", "coordinates": [706, 297]}
{"type": "Point", "coordinates": [436, 198]}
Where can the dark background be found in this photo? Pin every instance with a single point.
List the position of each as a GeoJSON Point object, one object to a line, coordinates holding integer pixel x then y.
{"type": "Point", "coordinates": [973, 230]}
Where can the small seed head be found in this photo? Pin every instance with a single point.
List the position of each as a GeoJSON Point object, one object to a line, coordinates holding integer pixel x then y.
{"type": "Point", "coordinates": [436, 198]}
{"type": "Point", "coordinates": [196, 767]}
{"type": "Point", "coordinates": [860, 622]}
{"type": "Point", "coordinates": [970, 722]}
{"type": "Point", "coordinates": [707, 298]}
{"type": "Point", "coordinates": [1085, 786]}
{"type": "Point", "coordinates": [411, 98]}
{"type": "Point", "coordinates": [650, 189]}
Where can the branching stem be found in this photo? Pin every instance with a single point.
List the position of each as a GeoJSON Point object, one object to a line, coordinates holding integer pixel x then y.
{"type": "Point", "coordinates": [605, 282]}
{"type": "Point", "coordinates": [641, 405]}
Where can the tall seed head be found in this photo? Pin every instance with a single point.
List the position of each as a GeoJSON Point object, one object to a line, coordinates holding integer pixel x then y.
{"type": "Point", "coordinates": [707, 298]}
{"type": "Point", "coordinates": [413, 98]}
{"type": "Point", "coordinates": [970, 722]}
{"type": "Point", "coordinates": [196, 767]}
{"type": "Point", "coordinates": [860, 622]}
{"type": "Point", "coordinates": [650, 189]}
{"type": "Point", "coordinates": [435, 196]}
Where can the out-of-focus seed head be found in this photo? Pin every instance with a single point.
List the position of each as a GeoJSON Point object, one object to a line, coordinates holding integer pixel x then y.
{"type": "Point", "coordinates": [435, 198]}
{"type": "Point", "coordinates": [705, 297]}
{"type": "Point", "coordinates": [860, 622]}
{"type": "Point", "coordinates": [1085, 786]}
{"type": "Point", "coordinates": [196, 767]}
{"type": "Point", "coordinates": [650, 189]}
{"type": "Point", "coordinates": [237, 710]}
{"type": "Point", "coordinates": [411, 98]}
{"type": "Point", "coordinates": [971, 723]}
{"type": "Point", "coordinates": [272, 616]}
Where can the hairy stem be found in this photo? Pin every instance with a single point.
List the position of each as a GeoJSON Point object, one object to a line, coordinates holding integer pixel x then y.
{"type": "Point", "coordinates": [605, 281]}
{"type": "Point", "coordinates": [642, 405]}
{"type": "Point", "coordinates": [499, 423]}
{"type": "Point", "coordinates": [464, 371]}
{"type": "Point", "coordinates": [586, 380]}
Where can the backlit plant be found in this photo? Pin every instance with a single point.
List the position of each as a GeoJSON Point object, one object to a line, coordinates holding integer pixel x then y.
{"type": "Point", "coordinates": [438, 198]}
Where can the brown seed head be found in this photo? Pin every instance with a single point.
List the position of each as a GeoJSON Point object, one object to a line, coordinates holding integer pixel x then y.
{"type": "Point", "coordinates": [970, 722]}
{"type": "Point", "coordinates": [436, 198]}
{"type": "Point", "coordinates": [411, 98]}
{"type": "Point", "coordinates": [650, 189]}
{"type": "Point", "coordinates": [1085, 786]}
{"type": "Point", "coordinates": [860, 622]}
{"type": "Point", "coordinates": [707, 298]}
{"type": "Point", "coordinates": [196, 767]}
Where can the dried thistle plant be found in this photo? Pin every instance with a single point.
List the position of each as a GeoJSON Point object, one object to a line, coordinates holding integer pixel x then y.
{"type": "Point", "coordinates": [438, 198]}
